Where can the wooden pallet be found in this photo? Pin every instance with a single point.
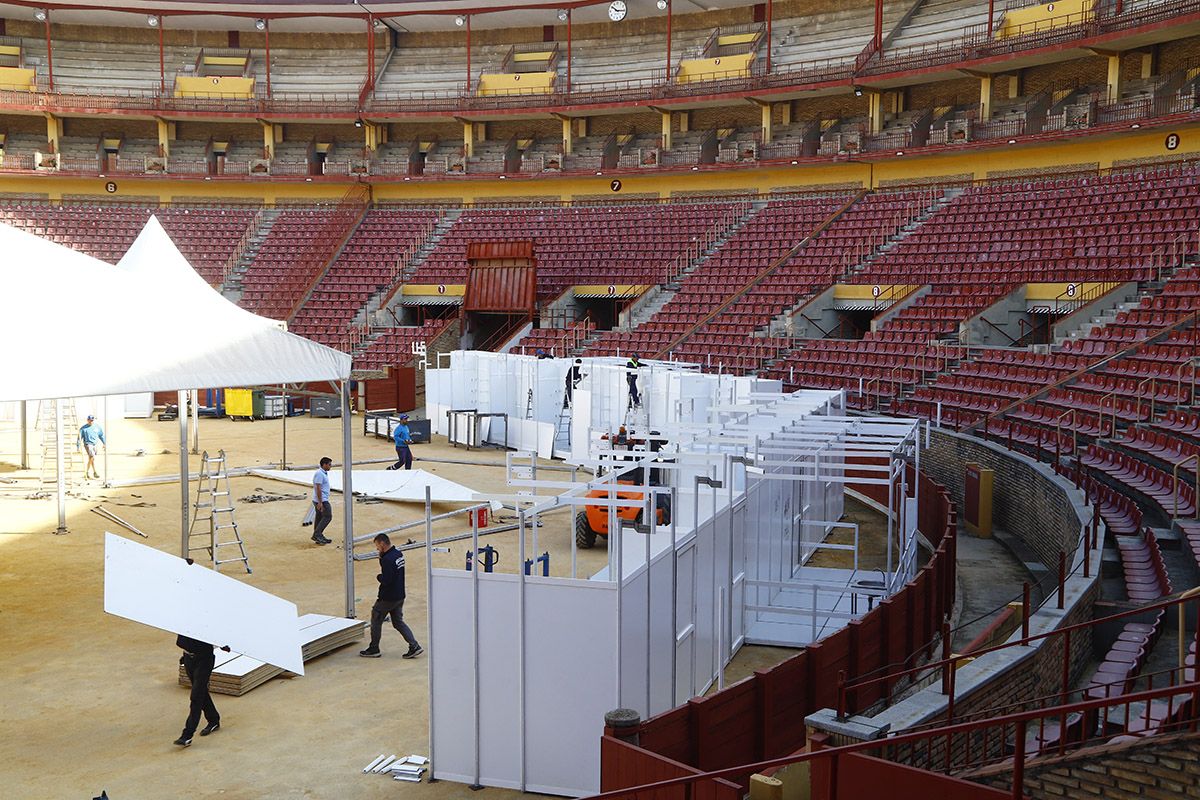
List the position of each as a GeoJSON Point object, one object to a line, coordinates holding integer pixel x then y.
{"type": "Point", "coordinates": [236, 674]}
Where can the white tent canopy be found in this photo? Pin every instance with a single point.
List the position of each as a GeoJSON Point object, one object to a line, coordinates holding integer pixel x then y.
{"type": "Point", "coordinates": [151, 325]}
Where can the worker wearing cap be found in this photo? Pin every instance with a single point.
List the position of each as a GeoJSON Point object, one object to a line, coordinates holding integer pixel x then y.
{"type": "Point", "coordinates": [403, 438]}
{"type": "Point", "coordinates": [91, 436]}
{"type": "Point", "coordinates": [574, 376]}
{"type": "Point", "coordinates": [631, 377]}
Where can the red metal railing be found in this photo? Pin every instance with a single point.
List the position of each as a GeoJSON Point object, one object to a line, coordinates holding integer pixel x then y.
{"type": "Point", "coordinates": [1003, 740]}
{"type": "Point", "coordinates": [894, 681]}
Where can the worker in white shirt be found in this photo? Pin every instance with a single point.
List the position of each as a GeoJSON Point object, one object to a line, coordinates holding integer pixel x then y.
{"type": "Point", "coordinates": [320, 500]}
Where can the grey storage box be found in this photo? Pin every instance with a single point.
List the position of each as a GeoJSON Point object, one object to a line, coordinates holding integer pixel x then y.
{"type": "Point", "coordinates": [325, 407]}
{"type": "Point", "coordinates": [419, 429]}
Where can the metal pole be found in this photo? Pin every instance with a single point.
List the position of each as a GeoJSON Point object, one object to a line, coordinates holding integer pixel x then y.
{"type": "Point", "coordinates": [162, 66]}
{"type": "Point", "coordinates": [674, 601]}
{"type": "Point", "coordinates": [369, 83]}
{"type": "Point", "coordinates": [348, 519]}
{"type": "Point", "coordinates": [891, 515]}
{"type": "Point", "coordinates": [568, 50]}
{"type": "Point", "coordinates": [729, 571]}
{"type": "Point", "coordinates": [105, 482]}
{"type": "Point", "coordinates": [24, 434]}
{"type": "Point", "coordinates": [468, 91]}
{"type": "Point", "coordinates": [649, 515]}
{"type": "Point", "coordinates": [520, 640]}
{"type": "Point", "coordinates": [195, 423]}
{"type": "Point", "coordinates": [615, 549]}
{"type": "Point", "coordinates": [49, 55]}
{"type": "Point", "coordinates": [181, 414]}
{"type": "Point", "coordinates": [878, 38]}
{"type": "Point", "coordinates": [1018, 767]}
{"type": "Point", "coordinates": [283, 456]}
{"type": "Point", "coordinates": [474, 634]}
{"type": "Point", "coordinates": [770, 4]}
{"type": "Point", "coordinates": [60, 468]}
{"type": "Point", "coordinates": [267, 36]}
{"type": "Point", "coordinates": [669, 42]}
{"type": "Point", "coordinates": [428, 586]}
{"type": "Point", "coordinates": [721, 644]}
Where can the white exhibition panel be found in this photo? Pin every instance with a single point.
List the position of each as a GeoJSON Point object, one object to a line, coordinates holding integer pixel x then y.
{"type": "Point", "coordinates": [399, 485]}
{"type": "Point", "coordinates": [645, 625]}
{"type": "Point", "coordinates": [164, 591]}
{"type": "Point", "coordinates": [570, 647]}
{"type": "Point", "coordinates": [571, 638]}
{"type": "Point", "coordinates": [531, 392]}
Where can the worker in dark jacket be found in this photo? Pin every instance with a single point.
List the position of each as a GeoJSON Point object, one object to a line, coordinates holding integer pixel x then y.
{"type": "Point", "coordinates": [574, 376]}
{"type": "Point", "coordinates": [198, 661]}
{"type": "Point", "coordinates": [391, 600]}
{"type": "Point", "coordinates": [631, 377]}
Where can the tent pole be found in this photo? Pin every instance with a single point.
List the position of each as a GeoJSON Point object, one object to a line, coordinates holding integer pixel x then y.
{"type": "Point", "coordinates": [60, 468]}
{"type": "Point", "coordinates": [195, 422]}
{"type": "Point", "coordinates": [347, 497]}
{"type": "Point", "coordinates": [429, 608]}
{"type": "Point", "coordinates": [283, 458]}
{"type": "Point", "coordinates": [105, 482]}
{"type": "Point", "coordinates": [181, 402]}
{"type": "Point", "coordinates": [24, 434]}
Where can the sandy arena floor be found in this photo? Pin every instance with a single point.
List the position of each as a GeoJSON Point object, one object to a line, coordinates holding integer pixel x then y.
{"type": "Point", "coordinates": [90, 702]}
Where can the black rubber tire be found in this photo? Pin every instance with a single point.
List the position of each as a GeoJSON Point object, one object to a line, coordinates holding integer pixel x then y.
{"type": "Point", "coordinates": [585, 537]}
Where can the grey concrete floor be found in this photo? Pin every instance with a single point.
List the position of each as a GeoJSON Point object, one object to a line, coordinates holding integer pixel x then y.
{"type": "Point", "coordinates": [989, 577]}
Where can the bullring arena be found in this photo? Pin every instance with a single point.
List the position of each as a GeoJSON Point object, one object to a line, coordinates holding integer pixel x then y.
{"type": "Point", "coordinates": [626, 399]}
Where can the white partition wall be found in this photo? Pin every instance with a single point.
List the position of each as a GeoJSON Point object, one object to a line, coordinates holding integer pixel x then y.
{"type": "Point", "coordinates": [531, 391]}
{"type": "Point", "coordinates": [524, 668]}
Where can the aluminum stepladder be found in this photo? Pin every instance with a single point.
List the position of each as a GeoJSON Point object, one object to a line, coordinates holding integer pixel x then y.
{"type": "Point", "coordinates": [70, 436]}
{"type": "Point", "coordinates": [562, 429]}
{"type": "Point", "coordinates": [214, 505]}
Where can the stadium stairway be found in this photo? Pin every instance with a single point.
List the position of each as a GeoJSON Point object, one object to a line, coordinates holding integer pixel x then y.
{"type": "Point", "coordinates": [780, 321]}
{"type": "Point", "coordinates": [382, 299]}
{"type": "Point", "coordinates": [385, 298]}
{"type": "Point", "coordinates": [370, 261]}
{"type": "Point", "coordinates": [940, 202]}
{"type": "Point", "coordinates": [658, 296]}
{"type": "Point", "coordinates": [232, 286]}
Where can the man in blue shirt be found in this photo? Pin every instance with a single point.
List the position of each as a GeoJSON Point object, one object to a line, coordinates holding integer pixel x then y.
{"type": "Point", "coordinates": [403, 438]}
{"type": "Point", "coordinates": [91, 436]}
{"type": "Point", "coordinates": [320, 500]}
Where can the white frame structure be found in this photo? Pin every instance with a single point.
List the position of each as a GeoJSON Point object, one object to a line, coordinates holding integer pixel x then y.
{"type": "Point", "coordinates": [524, 667]}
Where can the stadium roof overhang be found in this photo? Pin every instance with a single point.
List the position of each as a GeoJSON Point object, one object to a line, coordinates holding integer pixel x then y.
{"type": "Point", "coordinates": [349, 15]}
